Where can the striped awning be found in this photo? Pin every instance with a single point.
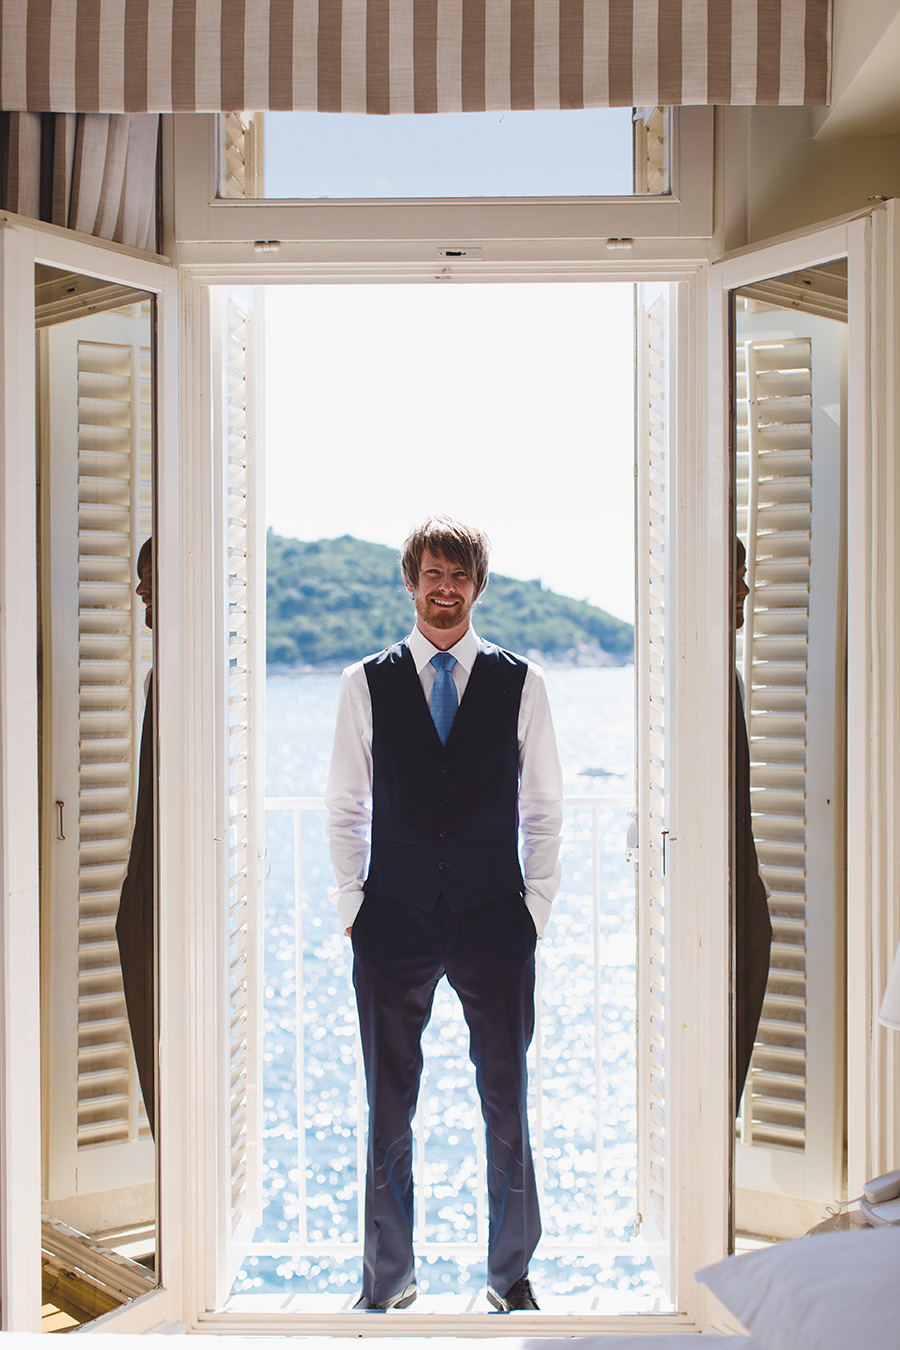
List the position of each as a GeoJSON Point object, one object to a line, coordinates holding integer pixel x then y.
{"type": "Point", "coordinates": [403, 56]}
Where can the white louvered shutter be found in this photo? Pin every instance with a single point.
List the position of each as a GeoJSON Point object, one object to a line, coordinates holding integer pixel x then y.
{"type": "Point", "coordinates": [653, 373]}
{"type": "Point", "coordinates": [651, 151]}
{"type": "Point", "coordinates": [96, 410]}
{"type": "Point", "coordinates": [241, 154]}
{"type": "Point", "coordinates": [240, 676]}
{"type": "Point", "coordinates": [790, 466]}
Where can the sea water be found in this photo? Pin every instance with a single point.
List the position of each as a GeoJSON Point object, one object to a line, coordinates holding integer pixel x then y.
{"type": "Point", "coordinates": [587, 1044]}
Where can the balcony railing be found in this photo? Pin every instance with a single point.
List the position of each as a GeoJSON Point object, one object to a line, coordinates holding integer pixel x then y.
{"type": "Point", "coordinates": [589, 938]}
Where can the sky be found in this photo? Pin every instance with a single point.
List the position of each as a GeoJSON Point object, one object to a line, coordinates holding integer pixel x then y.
{"type": "Point", "coordinates": [507, 405]}
{"type": "Point", "coordinates": [572, 153]}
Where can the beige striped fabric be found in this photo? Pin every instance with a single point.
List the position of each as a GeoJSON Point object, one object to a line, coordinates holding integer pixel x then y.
{"type": "Point", "coordinates": [403, 56]}
{"type": "Point", "coordinates": [91, 172]}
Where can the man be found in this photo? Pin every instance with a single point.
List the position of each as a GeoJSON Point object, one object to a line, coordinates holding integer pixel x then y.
{"type": "Point", "coordinates": [444, 750]}
{"type": "Point", "coordinates": [753, 927]}
{"type": "Point", "coordinates": [135, 919]}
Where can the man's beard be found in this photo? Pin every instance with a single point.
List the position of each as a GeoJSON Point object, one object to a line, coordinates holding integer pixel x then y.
{"type": "Point", "coordinates": [438, 617]}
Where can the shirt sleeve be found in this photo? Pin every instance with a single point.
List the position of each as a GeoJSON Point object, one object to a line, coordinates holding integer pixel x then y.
{"type": "Point", "coordinates": [348, 795]}
{"type": "Point", "coordinates": [540, 799]}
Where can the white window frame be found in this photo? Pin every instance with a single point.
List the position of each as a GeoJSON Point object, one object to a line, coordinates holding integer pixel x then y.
{"type": "Point", "coordinates": [870, 242]}
{"type": "Point", "coordinates": [24, 243]}
{"type": "Point", "coordinates": [507, 229]}
{"type": "Point", "coordinates": [699, 1050]}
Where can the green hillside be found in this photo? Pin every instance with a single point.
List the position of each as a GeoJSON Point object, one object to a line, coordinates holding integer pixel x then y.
{"type": "Point", "coordinates": [334, 601]}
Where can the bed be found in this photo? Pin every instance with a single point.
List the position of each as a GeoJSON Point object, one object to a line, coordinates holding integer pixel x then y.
{"type": "Point", "coordinates": [833, 1291]}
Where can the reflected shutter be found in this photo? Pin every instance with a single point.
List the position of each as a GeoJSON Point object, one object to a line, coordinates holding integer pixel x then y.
{"type": "Point", "coordinates": [653, 763]}
{"type": "Point", "coordinates": [651, 151]}
{"type": "Point", "coordinates": [97, 474]}
{"type": "Point", "coordinates": [240, 668]}
{"type": "Point", "coordinates": [241, 154]}
{"type": "Point", "coordinates": [790, 654]}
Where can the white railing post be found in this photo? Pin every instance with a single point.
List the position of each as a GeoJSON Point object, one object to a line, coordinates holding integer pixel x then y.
{"type": "Point", "coordinates": [598, 1022]}
{"type": "Point", "coordinates": [481, 1214]}
{"type": "Point", "coordinates": [300, 1038]}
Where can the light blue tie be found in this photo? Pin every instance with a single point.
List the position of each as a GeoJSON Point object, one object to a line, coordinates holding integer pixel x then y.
{"type": "Point", "coordinates": [444, 698]}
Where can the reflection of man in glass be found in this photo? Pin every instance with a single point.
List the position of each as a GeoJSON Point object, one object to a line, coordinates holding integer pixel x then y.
{"type": "Point", "coordinates": [753, 927]}
{"type": "Point", "coordinates": [134, 923]}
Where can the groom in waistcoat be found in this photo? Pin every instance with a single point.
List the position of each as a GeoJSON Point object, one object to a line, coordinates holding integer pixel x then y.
{"type": "Point", "coordinates": [444, 757]}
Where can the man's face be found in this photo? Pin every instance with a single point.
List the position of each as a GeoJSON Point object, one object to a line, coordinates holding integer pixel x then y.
{"type": "Point", "coordinates": [444, 594]}
{"type": "Point", "coordinates": [144, 589]}
{"type": "Point", "coordinates": [741, 591]}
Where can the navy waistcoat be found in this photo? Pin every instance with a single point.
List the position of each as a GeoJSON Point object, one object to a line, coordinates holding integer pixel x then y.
{"type": "Point", "coordinates": [444, 817]}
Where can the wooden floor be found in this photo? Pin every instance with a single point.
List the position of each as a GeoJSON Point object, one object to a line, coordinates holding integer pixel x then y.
{"type": "Point", "coordinates": [84, 1277]}
{"type": "Point", "coordinates": [68, 1302]}
{"type": "Point", "coordinates": [54, 1319]}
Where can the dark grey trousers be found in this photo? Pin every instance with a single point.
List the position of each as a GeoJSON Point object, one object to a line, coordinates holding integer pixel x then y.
{"type": "Point", "coordinates": [487, 954]}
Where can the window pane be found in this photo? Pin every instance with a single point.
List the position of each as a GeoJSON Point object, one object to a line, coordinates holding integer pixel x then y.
{"type": "Point", "coordinates": [309, 156]}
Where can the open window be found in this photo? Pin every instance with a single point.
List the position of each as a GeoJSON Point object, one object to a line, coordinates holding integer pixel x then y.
{"type": "Point", "coordinates": [85, 396]}
{"type": "Point", "coordinates": [581, 152]}
{"type": "Point", "coordinates": [96, 403]}
{"type": "Point", "coordinates": [663, 1053]}
{"type": "Point", "coordinates": [809, 384]}
{"type": "Point", "coordinates": [220, 171]}
{"type": "Point", "coordinates": [790, 485]}
{"type": "Point", "coordinates": [210, 674]}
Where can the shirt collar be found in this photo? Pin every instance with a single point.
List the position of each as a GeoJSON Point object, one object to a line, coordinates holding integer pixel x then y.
{"type": "Point", "coordinates": [422, 650]}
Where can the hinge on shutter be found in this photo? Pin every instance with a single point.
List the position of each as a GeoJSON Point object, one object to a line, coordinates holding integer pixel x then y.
{"type": "Point", "coordinates": [638, 1222]}
{"type": "Point", "coordinates": [667, 838]}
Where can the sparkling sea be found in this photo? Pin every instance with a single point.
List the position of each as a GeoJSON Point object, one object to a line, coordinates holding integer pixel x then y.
{"type": "Point", "coordinates": [593, 711]}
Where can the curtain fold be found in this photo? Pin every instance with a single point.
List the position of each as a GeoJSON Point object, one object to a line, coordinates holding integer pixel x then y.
{"type": "Point", "coordinates": [390, 56]}
{"type": "Point", "coordinates": [92, 172]}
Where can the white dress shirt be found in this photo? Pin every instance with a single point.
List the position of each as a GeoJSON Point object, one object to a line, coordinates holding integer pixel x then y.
{"type": "Point", "coordinates": [348, 795]}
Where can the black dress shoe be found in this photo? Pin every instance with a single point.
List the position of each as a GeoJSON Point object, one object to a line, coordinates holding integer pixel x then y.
{"type": "Point", "coordinates": [401, 1300]}
{"type": "Point", "coordinates": [520, 1298]}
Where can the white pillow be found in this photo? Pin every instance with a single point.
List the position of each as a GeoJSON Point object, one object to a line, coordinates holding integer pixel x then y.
{"type": "Point", "coordinates": [831, 1291]}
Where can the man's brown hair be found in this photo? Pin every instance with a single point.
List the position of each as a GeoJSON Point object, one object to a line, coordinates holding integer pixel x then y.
{"type": "Point", "coordinates": [145, 553]}
{"type": "Point", "coordinates": [445, 537]}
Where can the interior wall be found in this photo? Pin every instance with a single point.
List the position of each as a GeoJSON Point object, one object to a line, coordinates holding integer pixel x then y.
{"type": "Point", "coordinates": [795, 180]}
{"type": "Point", "coordinates": [857, 31]}
{"type": "Point", "coordinates": [865, 93]}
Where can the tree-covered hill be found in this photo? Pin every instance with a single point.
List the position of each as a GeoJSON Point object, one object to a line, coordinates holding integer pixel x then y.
{"type": "Point", "coordinates": [334, 601]}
